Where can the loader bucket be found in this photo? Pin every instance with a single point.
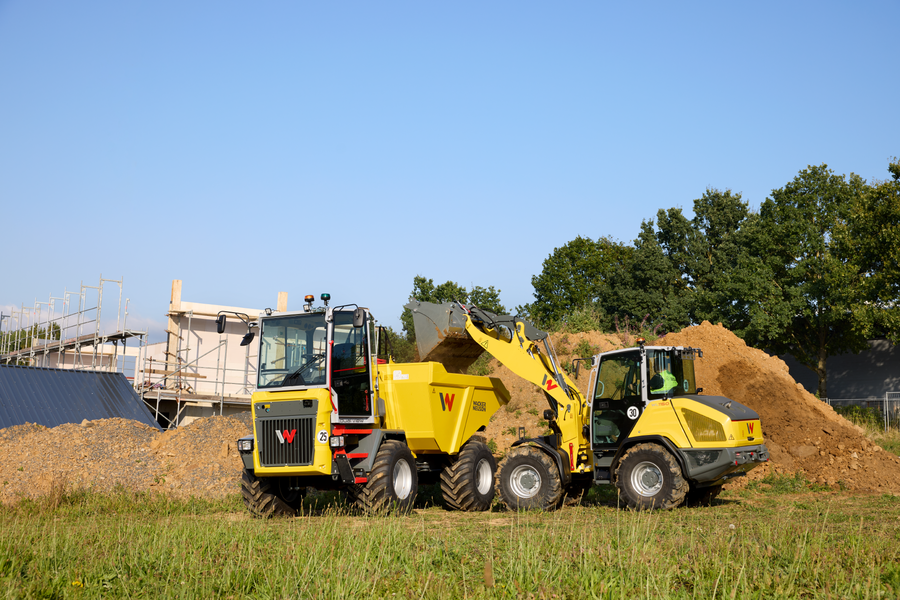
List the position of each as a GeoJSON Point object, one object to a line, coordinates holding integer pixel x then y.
{"type": "Point", "coordinates": [441, 335]}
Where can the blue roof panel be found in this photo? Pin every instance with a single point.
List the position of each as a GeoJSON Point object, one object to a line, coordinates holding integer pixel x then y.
{"type": "Point", "coordinates": [51, 397]}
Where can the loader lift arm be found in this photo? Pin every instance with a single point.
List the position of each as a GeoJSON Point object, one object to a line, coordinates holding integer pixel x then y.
{"type": "Point", "coordinates": [455, 335]}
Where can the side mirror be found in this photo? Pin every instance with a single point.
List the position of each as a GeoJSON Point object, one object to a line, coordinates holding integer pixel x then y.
{"type": "Point", "coordinates": [220, 324]}
{"type": "Point", "coordinates": [248, 337]}
{"type": "Point", "coordinates": [359, 317]}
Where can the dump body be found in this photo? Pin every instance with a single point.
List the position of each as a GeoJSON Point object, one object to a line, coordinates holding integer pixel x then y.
{"type": "Point", "coordinates": [437, 410]}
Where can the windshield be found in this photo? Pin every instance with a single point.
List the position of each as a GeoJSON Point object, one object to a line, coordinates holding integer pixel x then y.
{"type": "Point", "coordinates": [292, 351]}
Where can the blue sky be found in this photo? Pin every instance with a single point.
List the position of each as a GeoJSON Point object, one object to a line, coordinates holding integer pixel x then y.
{"type": "Point", "coordinates": [345, 147]}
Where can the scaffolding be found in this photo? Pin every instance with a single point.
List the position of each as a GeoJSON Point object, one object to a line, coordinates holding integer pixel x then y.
{"type": "Point", "coordinates": [201, 372]}
{"type": "Point", "coordinates": [57, 328]}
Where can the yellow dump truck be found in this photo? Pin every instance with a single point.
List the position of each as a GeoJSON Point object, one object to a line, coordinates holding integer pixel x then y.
{"type": "Point", "coordinates": [644, 426]}
{"type": "Point", "coordinates": [329, 413]}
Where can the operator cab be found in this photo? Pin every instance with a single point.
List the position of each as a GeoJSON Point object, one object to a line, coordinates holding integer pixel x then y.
{"type": "Point", "coordinates": [328, 348]}
{"type": "Point", "coordinates": [627, 380]}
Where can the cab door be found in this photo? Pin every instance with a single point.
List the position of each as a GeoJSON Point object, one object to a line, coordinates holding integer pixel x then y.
{"type": "Point", "coordinates": [352, 370]}
{"type": "Point", "coordinates": [618, 400]}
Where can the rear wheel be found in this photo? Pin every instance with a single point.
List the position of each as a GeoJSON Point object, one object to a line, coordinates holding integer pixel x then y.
{"type": "Point", "coordinates": [266, 497]}
{"type": "Point", "coordinates": [393, 481]}
{"type": "Point", "coordinates": [468, 483]}
{"type": "Point", "coordinates": [648, 476]}
{"type": "Point", "coordinates": [529, 479]}
{"type": "Point", "coordinates": [703, 496]}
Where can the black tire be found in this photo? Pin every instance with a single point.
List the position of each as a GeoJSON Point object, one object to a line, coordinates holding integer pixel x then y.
{"type": "Point", "coordinates": [648, 476]}
{"type": "Point", "coordinates": [703, 496]}
{"type": "Point", "coordinates": [393, 482]}
{"type": "Point", "coordinates": [265, 497]}
{"type": "Point", "coordinates": [528, 479]}
{"type": "Point", "coordinates": [468, 483]}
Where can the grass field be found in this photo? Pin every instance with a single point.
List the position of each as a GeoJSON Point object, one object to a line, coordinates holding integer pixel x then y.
{"type": "Point", "coordinates": [778, 539]}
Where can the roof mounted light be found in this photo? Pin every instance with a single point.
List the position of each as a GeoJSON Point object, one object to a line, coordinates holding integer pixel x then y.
{"type": "Point", "coordinates": [268, 312]}
{"type": "Point", "coordinates": [325, 298]}
{"type": "Point", "coordinates": [308, 298]}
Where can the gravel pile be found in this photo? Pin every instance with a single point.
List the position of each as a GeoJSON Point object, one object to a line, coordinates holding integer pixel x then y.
{"type": "Point", "coordinates": [200, 459]}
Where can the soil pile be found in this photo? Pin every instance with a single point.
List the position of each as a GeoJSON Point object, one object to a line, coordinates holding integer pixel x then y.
{"type": "Point", "coordinates": [803, 433]}
{"type": "Point", "coordinates": [200, 459]}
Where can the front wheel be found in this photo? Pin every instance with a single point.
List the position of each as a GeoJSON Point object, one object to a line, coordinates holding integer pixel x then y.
{"type": "Point", "coordinates": [529, 479]}
{"type": "Point", "coordinates": [267, 497]}
{"type": "Point", "coordinates": [393, 482]}
{"type": "Point", "coordinates": [648, 476]}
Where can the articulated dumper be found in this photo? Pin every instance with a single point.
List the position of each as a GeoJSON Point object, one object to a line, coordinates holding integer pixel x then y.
{"type": "Point", "coordinates": [328, 413]}
{"type": "Point", "coordinates": [331, 410]}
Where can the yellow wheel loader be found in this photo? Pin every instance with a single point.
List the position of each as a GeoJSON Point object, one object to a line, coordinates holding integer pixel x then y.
{"type": "Point", "coordinates": [328, 413]}
{"type": "Point", "coordinates": [644, 426]}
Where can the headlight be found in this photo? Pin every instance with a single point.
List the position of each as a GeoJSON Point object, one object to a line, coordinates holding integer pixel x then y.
{"type": "Point", "coordinates": [245, 445]}
{"type": "Point", "coordinates": [337, 441]}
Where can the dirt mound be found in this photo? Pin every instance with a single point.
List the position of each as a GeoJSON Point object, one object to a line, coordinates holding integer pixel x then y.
{"type": "Point", "coordinates": [802, 433]}
{"type": "Point", "coordinates": [199, 459]}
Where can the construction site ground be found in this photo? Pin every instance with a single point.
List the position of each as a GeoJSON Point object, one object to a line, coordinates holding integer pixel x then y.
{"type": "Point", "coordinates": [803, 434]}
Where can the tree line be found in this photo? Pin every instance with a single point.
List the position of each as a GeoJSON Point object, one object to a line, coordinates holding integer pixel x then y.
{"type": "Point", "coordinates": [814, 272]}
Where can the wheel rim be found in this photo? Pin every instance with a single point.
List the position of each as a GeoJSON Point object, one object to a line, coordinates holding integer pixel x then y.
{"type": "Point", "coordinates": [402, 479]}
{"type": "Point", "coordinates": [484, 479]}
{"type": "Point", "coordinates": [647, 479]}
{"type": "Point", "coordinates": [525, 481]}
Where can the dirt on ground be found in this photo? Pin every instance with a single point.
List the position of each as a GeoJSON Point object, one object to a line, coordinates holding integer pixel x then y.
{"type": "Point", "coordinates": [803, 434]}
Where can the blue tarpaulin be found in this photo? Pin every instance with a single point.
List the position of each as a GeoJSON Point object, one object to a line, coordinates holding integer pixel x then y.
{"type": "Point", "coordinates": [51, 397]}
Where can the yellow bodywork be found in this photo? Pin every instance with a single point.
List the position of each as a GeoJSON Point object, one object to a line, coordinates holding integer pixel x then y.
{"type": "Point", "coordinates": [437, 411]}
{"type": "Point", "coordinates": [691, 424]}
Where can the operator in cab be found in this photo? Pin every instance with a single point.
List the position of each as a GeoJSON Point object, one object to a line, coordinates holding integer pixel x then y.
{"type": "Point", "coordinates": [663, 381]}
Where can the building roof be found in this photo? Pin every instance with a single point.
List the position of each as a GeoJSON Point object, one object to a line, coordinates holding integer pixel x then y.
{"type": "Point", "coordinates": [51, 397]}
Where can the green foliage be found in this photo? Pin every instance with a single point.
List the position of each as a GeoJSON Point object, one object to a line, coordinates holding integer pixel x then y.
{"type": "Point", "coordinates": [866, 417]}
{"type": "Point", "coordinates": [574, 277]}
{"type": "Point", "coordinates": [583, 349]}
{"type": "Point", "coordinates": [785, 484]}
{"type": "Point", "coordinates": [20, 339]}
{"type": "Point", "coordinates": [800, 286]}
{"type": "Point", "coordinates": [424, 290]}
{"type": "Point", "coordinates": [481, 366]}
{"type": "Point", "coordinates": [583, 319]}
{"type": "Point", "coordinates": [397, 346]}
{"type": "Point", "coordinates": [492, 445]}
{"type": "Point", "coordinates": [769, 547]}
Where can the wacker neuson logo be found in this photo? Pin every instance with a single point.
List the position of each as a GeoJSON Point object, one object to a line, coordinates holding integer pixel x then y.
{"type": "Point", "coordinates": [286, 436]}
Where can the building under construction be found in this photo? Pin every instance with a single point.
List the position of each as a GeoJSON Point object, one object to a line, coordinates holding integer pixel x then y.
{"type": "Point", "coordinates": [195, 373]}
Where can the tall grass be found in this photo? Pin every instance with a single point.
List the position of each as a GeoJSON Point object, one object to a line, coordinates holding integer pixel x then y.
{"type": "Point", "coordinates": [759, 546]}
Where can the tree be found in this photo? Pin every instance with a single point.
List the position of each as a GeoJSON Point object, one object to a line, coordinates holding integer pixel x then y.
{"type": "Point", "coordinates": [801, 284]}
{"type": "Point", "coordinates": [573, 277]}
{"type": "Point", "coordinates": [424, 290]}
{"type": "Point", "coordinates": [872, 236]}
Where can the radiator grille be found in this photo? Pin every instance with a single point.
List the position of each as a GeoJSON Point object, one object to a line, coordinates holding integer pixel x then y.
{"type": "Point", "coordinates": [703, 428]}
{"type": "Point", "coordinates": [273, 452]}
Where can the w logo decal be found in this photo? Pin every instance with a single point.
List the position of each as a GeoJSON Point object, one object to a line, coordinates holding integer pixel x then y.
{"type": "Point", "coordinates": [447, 401]}
{"type": "Point", "coordinates": [287, 436]}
